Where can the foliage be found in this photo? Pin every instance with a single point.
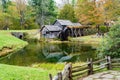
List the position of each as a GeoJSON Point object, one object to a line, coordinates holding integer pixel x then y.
{"type": "Point", "coordinates": [67, 12]}
{"type": "Point", "coordinates": [88, 13]}
{"type": "Point", "coordinates": [97, 12]}
{"type": "Point", "coordinates": [30, 19]}
{"type": "Point", "coordinates": [112, 9]}
{"type": "Point", "coordinates": [5, 4]}
{"type": "Point", "coordinates": [12, 18]}
{"type": "Point", "coordinates": [3, 20]}
{"type": "Point", "coordinates": [111, 45]}
{"type": "Point", "coordinates": [103, 29]}
{"type": "Point", "coordinates": [44, 11]}
{"type": "Point", "coordinates": [19, 14]}
{"type": "Point", "coordinates": [21, 7]}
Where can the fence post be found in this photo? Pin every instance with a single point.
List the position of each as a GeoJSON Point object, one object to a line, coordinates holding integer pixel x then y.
{"type": "Point", "coordinates": [60, 76]}
{"type": "Point", "coordinates": [50, 76]}
{"type": "Point", "coordinates": [90, 67]}
{"type": "Point", "coordinates": [109, 67]}
{"type": "Point", "coordinates": [70, 72]}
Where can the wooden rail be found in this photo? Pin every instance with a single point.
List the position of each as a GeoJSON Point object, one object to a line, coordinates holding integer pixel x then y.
{"type": "Point", "coordinates": [89, 68]}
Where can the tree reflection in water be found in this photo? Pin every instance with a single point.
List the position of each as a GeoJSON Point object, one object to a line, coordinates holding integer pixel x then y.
{"type": "Point", "coordinates": [50, 53]}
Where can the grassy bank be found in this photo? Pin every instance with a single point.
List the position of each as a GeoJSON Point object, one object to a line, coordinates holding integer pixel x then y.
{"type": "Point", "coordinates": [91, 39]}
{"type": "Point", "coordinates": [9, 43]}
{"type": "Point", "coordinates": [9, 72]}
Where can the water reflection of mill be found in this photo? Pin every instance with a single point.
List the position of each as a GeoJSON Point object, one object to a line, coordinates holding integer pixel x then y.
{"type": "Point", "coordinates": [64, 52]}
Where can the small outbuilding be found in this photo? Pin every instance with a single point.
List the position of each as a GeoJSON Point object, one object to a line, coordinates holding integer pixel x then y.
{"type": "Point", "coordinates": [50, 31]}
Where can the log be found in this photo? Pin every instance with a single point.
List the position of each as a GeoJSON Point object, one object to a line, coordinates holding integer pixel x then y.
{"type": "Point", "coordinates": [99, 61]}
{"type": "Point", "coordinates": [115, 64]}
{"type": "Point", "coordinates": [115, 60]}
{"type": "Point", "coordinates": [80, 73]}
{"type": "Point", "coordinates": [80, 65]}
{"type": "Point", "coordinates": [79, 69]}
{"type": "Point", "coordinates": [97, 69]}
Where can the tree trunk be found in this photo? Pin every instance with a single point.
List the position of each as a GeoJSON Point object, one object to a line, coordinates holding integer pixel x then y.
{"type": "Point", "coordinates": [21, 18]}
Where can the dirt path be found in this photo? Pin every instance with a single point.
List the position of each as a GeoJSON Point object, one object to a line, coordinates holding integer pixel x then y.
{"type": "Point", "coordinates": [108, 75]}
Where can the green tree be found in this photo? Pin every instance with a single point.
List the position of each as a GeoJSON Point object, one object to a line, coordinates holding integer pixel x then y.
{"type": "Point", "coordinates": [111, 45]}
{"type": "Point", "coordinates": [5, 21]}
{"type": "Point", "coordinates": [30, 19]}
{"type": "Point", "coordinates": [45, 11]}
{"type": "Point", "coordinates": [52, 13]}
{"type": "Point", "coordinates": [21, 8]}
{"type": "Point", "coordinates": [5, 5]}
{"type": "Point", "coordinates": [11, 18]}
{"type": "Point", "coordinates": [67, 12]}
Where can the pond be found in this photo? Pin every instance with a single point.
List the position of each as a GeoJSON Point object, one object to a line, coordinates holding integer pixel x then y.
{"type": "Point", "coordinates": [50, 53]}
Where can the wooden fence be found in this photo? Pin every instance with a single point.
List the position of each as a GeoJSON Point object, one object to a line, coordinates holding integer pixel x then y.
{"type": "Point", "coordinates": [89, 68]}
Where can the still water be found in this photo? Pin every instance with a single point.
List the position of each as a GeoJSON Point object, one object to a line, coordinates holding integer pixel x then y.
{"type": "Point", "coordinates": [50, 53]}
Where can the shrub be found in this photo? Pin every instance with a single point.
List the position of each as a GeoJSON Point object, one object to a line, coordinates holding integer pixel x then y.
{"type": "Point", "coordinates": [103, 29]}
{"type": "Point", "coordinates": [111, 44]}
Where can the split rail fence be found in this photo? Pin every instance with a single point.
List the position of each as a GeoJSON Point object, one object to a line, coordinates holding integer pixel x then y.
{"type": "Point", "coordinates": [88, 68]}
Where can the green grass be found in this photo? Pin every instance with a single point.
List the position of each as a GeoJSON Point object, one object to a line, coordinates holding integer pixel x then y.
{"type": "Point", "coordinates": [87, 39]}
{"type": "Point", "coordinates": [50, 66]}
{"type": "Point", "coordinates": [33, 30]}
{"type": "Point", "coordinates": [8, 72]}
{"type": "Point", "coordinates": [39, 72]}
{"type": "Point", "coordinates": [9, 41]}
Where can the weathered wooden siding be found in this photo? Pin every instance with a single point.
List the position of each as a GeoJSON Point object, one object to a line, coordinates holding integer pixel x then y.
{"type": "Point", "coordinates": [51, 35]}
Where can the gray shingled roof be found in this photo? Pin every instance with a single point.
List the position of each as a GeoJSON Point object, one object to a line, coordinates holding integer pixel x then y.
{"type": "Point", "coordinates": [65, 22]}
{"type": "Point", "coordinates": [51, 28]}
{"type": "Point", "coordinates": [77, 24]}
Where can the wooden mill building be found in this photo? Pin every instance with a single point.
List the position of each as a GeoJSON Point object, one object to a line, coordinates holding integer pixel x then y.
{"type": "Point", "coordinates": [50, 31]}
{"type": "Point", "coordinates": [62, 29]}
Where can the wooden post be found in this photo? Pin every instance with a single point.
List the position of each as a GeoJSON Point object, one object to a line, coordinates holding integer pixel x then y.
{"type": "Point", "coordinates": [79, 32]}
{"type": "Point", "coordinates": [72, 32]}
{"type": "Point", "coordinates": [70, 72]}
{"type": "Point", "coordinates": [60, 76]}
{"type": "Point", "coordinates": [50, 76]}
{"type": "Point", "coordinates": [90, 67]}
{"type": "Point", "coordinates": [109, 67]}
{"type": "Point", "coordinates": [75, 32]}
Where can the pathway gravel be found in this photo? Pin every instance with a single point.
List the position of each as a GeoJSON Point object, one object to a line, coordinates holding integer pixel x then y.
{"type": "Point", "coordinates": [107, 75]}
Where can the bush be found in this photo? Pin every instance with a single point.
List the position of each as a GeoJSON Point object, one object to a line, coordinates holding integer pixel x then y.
{"type": "Point", "coordinates": [103, 29]}
{"type": "Point", "coordinates": [111, 45]}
